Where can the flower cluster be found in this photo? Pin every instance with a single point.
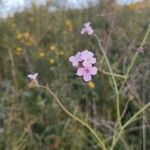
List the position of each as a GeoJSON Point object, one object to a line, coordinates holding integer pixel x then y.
{"type": "Point", "coordinates": [25, 38]}
{"type": "Point", "coordinates": [84, 62]}
{"type": "Point", "coordinates": [87, 29]}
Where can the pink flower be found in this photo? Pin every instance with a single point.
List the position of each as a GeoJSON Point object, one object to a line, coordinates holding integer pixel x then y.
{"type": "Point", "coordinates": [87, 58]}
{"type": "Point", "coordinates": [87, 29]}
{"type": "Point", "coordinates": [75, 59]}
{"type": "Point", "coordinates": [84, 62]}
{"type": "Point", "coordinates": [33, 76]}
{"type": "Point", "coordinates": [140, 50]}
{"type": "Point", "coordinates": [87, 72]}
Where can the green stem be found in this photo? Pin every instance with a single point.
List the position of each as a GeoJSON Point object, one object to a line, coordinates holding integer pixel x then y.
{"type": "Point", "coordinates": [136, 54]}
{"type": "Point", "coordinates": [108, 73]}
{"type": "Point", "coordinates": [100, 142]}
{"type": "Point", "coordinates": [128, 123]}
{"type": "Point", "coordinates": [113, 78]}
{"type": "Point", "coordinates": [127, 76]}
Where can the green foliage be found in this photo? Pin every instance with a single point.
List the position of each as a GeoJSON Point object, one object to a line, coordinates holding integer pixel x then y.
{"type": "Point", "coordinates": [37, 40]}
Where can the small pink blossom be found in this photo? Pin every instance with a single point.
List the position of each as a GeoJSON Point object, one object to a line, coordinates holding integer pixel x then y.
{"type": "Point", "coordinates": [87, 57]}
{"type": "Point", "coordinates": [33, 76]}
{"type": "Point", "coordinates": [84, 62]}
{"type": "Point", "coordinates": [140, 50]}
{"type": "Point", "coordinates": [87, 29]}
{"type": "Point", "coordinates": [75, 59]}
{"type": "Point", "coordinates": [87, 72]}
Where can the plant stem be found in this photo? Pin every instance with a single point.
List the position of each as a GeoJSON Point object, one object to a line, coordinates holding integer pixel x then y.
{"type": "Point", "coordinates": [127, 123]}
{"type": "Point", "coordinates": [100, 142]}
{"type": "Point", "coordinates": [108, 73]}
{"type": "Point", "coordinates": [136, 54]}
{"type": "Point", "coordinates": [113, 78]}
{"type": "Point", "coordinates": [127, 76]}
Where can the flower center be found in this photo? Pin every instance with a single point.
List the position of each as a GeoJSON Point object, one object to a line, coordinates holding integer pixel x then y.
{"type": "Point", "coordinates": [87, 70]}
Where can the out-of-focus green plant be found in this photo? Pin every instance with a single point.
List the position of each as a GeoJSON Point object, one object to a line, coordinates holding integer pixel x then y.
{"type": "Point", "coordinates": [37, 40]}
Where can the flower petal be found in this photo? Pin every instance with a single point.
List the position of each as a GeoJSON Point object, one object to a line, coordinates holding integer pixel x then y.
{"type": "Point", "coordinates": [75, 63]}
{"type": "Point", "coordinates": [83, 30]}
{"type": "Point", "coordinates": [72, 58]}
{"type": "Point", "coordinates": [93, 60]}
{"type": "Point", "coordinates": [87, 24]}
{"type": "Point", "coordinates": [90, 31]}
{"type": "Point", "coordinates": [33, 76]}
{"type": "Point", "coordinates": [80, 72]}
{"type": "Point", "coordinates": [94, 71]}
{"type": "Point", "coordinates": [90, 54]}
{"type": "Point", "coordinates": [87, 77]}
{"type": "Point", "coordinates": [86, 63]}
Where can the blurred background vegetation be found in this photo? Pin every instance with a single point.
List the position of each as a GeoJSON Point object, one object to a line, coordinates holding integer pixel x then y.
{"type": "Point", "coordinates": [39, 40]}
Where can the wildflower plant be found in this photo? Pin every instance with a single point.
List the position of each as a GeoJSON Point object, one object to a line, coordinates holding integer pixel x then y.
{"type": "Point", "coordinates": [84, 62]}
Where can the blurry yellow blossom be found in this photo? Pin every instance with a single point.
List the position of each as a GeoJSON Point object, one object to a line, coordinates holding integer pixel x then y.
{"type": "Point", "coordinates": [29, 42]}
{"type": "Point", "coordinates": [137, 6]}
{"type": "Point", "coordinates": [69, 25]}
{"type": "Point", "coordinates": [26, 34]}
{"type": "Point", "coordinates": [41, 54]}
{"type": "Point", "coordinates": [19, 35]}
{"type": "Point", "coordinates": [51, 61]}
{"type": "Point", "coordinates": [91, 84]}
{"type": "Point", "coordinates": [19, 50]}
{"type": "Point", "coordinates": [52, 47]}
{"type": "Point", "coordinates": [61, 53]}
{"type": "Point", "coordinates": [25, 38]}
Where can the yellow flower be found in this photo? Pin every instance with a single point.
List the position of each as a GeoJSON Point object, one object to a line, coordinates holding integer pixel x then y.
{"type": "Point", "coordinates": [19, 50]}
{"type": "Point", "coordinates": [41, 54]}
{"type": "Point", "coordinates": [69, 25]}
{"type": "Point", "coordinates": [61, 53]}
{"type": "Point", "coordinates": [26, 35]}
{"type": "Point", "coordinates": [52, 47]}
{"type": "Point", "coordinates": [29, 42]}
{"type": "Point", "coordinates": [19, 35]}
{"type": "Point", "coordinates": [51, 61]}
{"type": "Point", "coordinates": [137, 6]}
{"type": "Point", "coordinates": [91, 85]}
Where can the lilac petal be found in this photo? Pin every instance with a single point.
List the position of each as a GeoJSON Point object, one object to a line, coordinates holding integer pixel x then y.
{"type": "Point", "coordinates": [82, 31]}
{"type": "Point", "coordinates": [140, 50]}
{"type": "Point", "coordinates": [93, 60]}
{"type": "Point", "coordinates": [33, 76]}
{"type": "Point", "coordinates": [78, 56]}
{"type": "Point", "coordinates": [80, 72]}
{"type": "Point", "coordinates": [90, 31]}
{"type": "Point", "coordinates": [90, 54]}
{"type": "Point", "coordinates": [87, 24]}
{"type": "Point", "coordinates": [72, 58]}
{"type": "Point", "coordinates": [87, 77]}
{"type": "Point", "coordinates": [75, 63]}
{"type": "Point", "coordinates": [86, 54]}
{"type": "Point", "coordinates": [86, 64]}
{"type": "Point", "coordinates": [93, 70]}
